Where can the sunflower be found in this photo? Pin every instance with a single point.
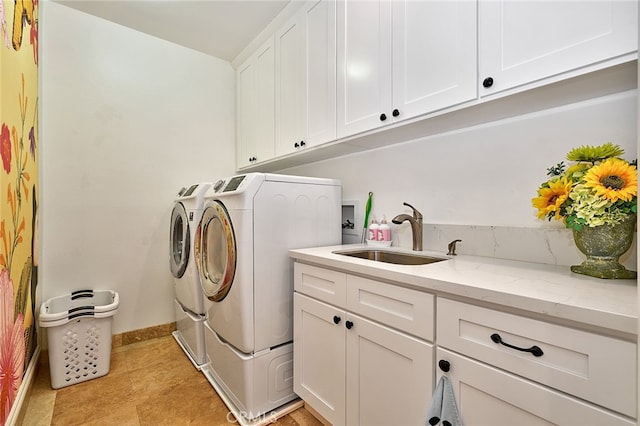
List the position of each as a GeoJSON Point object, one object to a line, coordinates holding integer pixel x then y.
{"type": "Point", "coordinates": [551, 197]}
{"type": "Point", "coordinates": [613, 179]}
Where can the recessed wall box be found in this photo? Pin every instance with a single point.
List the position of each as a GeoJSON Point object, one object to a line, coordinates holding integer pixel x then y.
{"type": "Point", "coordinates": [350, 217]}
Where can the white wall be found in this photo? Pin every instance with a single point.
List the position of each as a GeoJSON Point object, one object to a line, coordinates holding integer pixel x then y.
{"type": "Point", "coordinates": [127, 120]}
{"type": "Point", "coordinates": [482, 175]}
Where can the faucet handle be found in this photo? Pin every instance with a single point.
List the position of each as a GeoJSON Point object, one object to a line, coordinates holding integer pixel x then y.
{"type": "Point", "coordinates": [452, 247]}
{"type": "Point", "coordinates": [416, 214]}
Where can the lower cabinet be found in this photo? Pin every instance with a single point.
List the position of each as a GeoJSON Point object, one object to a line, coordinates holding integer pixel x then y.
{"type": "Point", "coordinates": [489, 396]}
{"type": "Point", "coordinates": [354, 371]}
{"type": "Point", "coordinates": [507, 369]}
{"type": "Point", "coordinates": [365, 353]}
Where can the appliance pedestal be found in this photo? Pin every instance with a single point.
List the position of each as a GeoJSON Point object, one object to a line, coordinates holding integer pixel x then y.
{"type": "Point", "coordinates": [255, 387]}
{"type": "Point", "coordinates": [190, 335]}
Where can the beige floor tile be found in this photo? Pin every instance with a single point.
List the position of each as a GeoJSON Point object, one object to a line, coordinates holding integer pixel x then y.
{"type": "Point", "coordinates": [161, 378]}
{"type": "Point", "coordinates": [147, 354]}
{"type": "Point", "coordinates": [303, 418]}
{"type": "Point", "coordinates": [125, 415]}
{"type": "Point", "coordinates": [118, 363]}
{"type": "Point", "coordinates": [193, 403]}
{"type": "Point", "coordinates": [93, 399]}
{"type": "Point", "coordinates": [40, 409]}
{"type": "Point", "coordinates": [149, 383]}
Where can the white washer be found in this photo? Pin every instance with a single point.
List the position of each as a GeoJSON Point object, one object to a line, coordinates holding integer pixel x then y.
{"type": "Point", "coordinates": [247, 227]}
{"type": "Point", "coordinates": [189, 300]}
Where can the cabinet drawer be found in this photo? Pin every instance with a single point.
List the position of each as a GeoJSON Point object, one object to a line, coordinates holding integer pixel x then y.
{"type": "Point", "coordinates": [489, 396]}
{"type": "Point", "coordinates": [322, 284]}
{"type": "Point", "coordinates": [408, 310]}
{"type": "Point", "coordinates": [591, 366]}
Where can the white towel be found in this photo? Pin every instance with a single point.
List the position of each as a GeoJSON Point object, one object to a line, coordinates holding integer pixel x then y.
{"type": "Point", "coordinates": [443, 406]}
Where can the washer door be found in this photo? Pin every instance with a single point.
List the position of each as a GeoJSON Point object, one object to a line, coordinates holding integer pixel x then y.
{"type": "Point", "coordinates": [179, 241]}
{"type": "Point", "coordinates": [215, 251]}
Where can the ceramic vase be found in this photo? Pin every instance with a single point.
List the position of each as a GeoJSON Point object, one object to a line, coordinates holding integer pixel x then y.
{"type": "Point", "coordinates": [603, 245]}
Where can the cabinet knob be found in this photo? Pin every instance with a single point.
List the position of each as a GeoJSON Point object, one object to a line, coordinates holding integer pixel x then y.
{"type": "Point", "coordinates": [336, 319]}
{"type": "Point", "coordinates": [252, 159]}
{"type": "Point", "coordinates": [296, 145]}
{"type": "Point", "coordinates": [383, 117]}
{"type": "Point", "coordinates": [488, 82]}
{"type": "Point", "coordinates": [302, 143]}
{"type": "Point", "coordinates": [348, 324]}
{"type": "Point", "coordinates": [444, 365]}
{"type": "Point", "coordinates": [395, 113]}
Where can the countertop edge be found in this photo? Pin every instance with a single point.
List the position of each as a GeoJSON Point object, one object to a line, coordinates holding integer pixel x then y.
{"type": "Point", "coordinates": [544, 290]}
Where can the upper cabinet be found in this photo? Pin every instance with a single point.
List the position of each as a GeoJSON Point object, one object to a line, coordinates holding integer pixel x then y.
{"type": "Point", "coordinates": [335, 69]}
{"type": "Point", "coordinates": [290, 86]}
{"type": "Point", "coordinates": [256, 106]}
{"type": "Point", "coordinates": [306, 78]}
{"type": "Point", "coordinates": [401, 59]}
{"type": "Point", "coordinates": [521, 42]}
{"type": "Point", "coordinates": [320, 71]}
{"type": "Point", "coordinates": [434, 55]}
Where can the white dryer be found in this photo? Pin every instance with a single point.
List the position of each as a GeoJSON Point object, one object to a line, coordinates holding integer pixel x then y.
{"type": "Point", "coordinates": [247, 227]}
{"type": "Point", "coordinates": [189, 300]}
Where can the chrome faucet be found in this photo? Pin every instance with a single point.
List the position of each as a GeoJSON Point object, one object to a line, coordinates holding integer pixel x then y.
{"type": "Point", "coordinates": [416, 225]}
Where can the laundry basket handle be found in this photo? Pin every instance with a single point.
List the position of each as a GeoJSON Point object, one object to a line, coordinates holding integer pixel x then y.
{"type": "Point", "coordinates": [78, 294]}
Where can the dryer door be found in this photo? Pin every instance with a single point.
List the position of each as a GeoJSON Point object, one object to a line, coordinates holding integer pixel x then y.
{"type": "Point", "coordinates": [179, 242]}
{"type": "Point", "coordinates": [215, 251]}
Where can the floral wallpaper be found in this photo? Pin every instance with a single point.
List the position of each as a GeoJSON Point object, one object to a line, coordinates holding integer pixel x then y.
{"type": "Point", "coordinates": [18, 193]}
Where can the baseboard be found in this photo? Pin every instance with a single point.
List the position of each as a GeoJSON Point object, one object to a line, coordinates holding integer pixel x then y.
{"type": "Point", "coordinates": [142, 334]}
{"type": "Point", "coordinates": [19, 408]}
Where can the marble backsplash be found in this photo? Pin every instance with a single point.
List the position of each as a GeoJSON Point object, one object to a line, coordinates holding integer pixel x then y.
{"type": "Point", "coordinates": [549, 245]}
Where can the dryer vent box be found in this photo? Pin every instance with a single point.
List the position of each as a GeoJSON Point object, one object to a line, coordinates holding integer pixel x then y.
{"type": "Point", "coordinates": [350, 218]}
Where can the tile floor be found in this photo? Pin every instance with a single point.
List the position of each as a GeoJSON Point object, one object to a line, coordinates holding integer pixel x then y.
{"type": "Point", "coordinates": [149, 383]}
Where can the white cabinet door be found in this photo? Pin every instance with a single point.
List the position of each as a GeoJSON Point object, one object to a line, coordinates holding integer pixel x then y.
{"type": "Point", "coordinates": [525, 41]}
{"type": "Point", "coordinates": [246, 129]}
{"type": "Point", "coordinates": [389, 375]}
{"type": "Point", "coordinates": [320, 56]}
{"type": "Point", "coordinates": [364, 65]}
{"type": "Point", "coordinates": [434, 55]}
{"type": "Point", "coordinates": [290, 86]}
{"type": "Point", "coordinates": [400, 59]}
{"type": "Point", "coordinates": [489, 396]}
{"type": "Point", "coordinates": [256, 106]}
{"type": "Point", "coordinates": [319, 357]}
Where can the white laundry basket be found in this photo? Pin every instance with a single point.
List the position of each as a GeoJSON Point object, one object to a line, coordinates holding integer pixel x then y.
{"type": "Point", "coordinates": [79, 335]}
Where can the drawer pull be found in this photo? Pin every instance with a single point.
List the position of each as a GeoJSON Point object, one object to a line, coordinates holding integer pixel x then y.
{"type": "Point", "coordinates": [535, 350]}
{"type": "Point", "coordinates": [444, 365]}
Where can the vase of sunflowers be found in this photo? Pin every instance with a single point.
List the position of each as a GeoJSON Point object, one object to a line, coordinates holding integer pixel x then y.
{"type": "Point", "coordinates": [596, 197]}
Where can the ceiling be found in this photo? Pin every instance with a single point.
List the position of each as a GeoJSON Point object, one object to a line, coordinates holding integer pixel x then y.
{"type": "Point", "coordinates": [221, 28]}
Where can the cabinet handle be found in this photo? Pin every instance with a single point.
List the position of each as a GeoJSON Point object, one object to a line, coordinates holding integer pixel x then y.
{"type": "Point", "coordinates": [535, 350]}
{"type": "Point", "coordinates": [348, 324]}
{"type": "Point", "coordinates": [296, 145]}
{"type": "Point", "coordinates": [383, 117]}
{"type": "Point", "coordinates": [488, 82]}
{"type": "Point", "coordinates": [302, 143]}
{"type": "Point", "coordinates": [395, 113]}
{"type": "Point", "coordinates": [336, 319]}
{"type": "Point", "coordinates": [252, 159]}
{"type": "Point", "coordinates": [444, 365]}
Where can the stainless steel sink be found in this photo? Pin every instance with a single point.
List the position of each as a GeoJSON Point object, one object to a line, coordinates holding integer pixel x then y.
{"type": "Point", "coordinates": [391, 256]}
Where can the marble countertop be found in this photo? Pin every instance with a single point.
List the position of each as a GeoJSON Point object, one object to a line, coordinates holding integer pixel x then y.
{"type": "Point", "coordinates": [547, 290]}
